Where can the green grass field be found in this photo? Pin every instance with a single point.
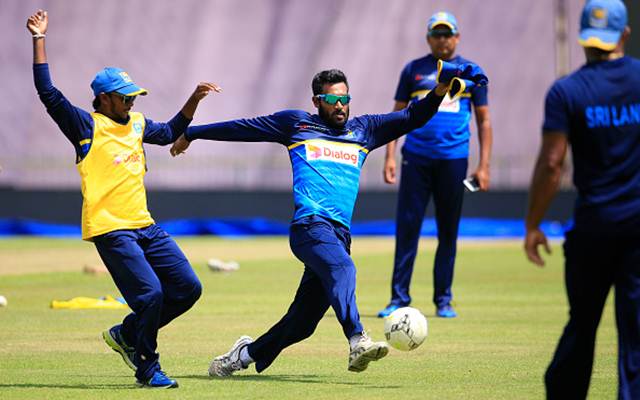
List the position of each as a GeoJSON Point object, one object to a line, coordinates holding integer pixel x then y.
{"type": "Point", "coordinates": [510, 317]}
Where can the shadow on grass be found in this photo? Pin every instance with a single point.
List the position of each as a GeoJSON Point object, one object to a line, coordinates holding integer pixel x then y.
{"type": "Point", "coordinates": [291, 378]}
{"type": "Point", "coordinates": [63, 386]}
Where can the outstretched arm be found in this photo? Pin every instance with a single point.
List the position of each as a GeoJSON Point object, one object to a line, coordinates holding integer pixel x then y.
{"type": "Point", "coordinates": [544, 185]}
{"type": "Point", "coordinates": [385, 128]}
{"type": "Point", "coordinates": [271, 128]}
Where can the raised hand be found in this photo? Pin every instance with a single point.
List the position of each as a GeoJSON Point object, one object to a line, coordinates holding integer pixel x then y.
{"type": "Point", "coordinates": [204, 88]}
{"type": "Point", "coordinates": [37, 23]}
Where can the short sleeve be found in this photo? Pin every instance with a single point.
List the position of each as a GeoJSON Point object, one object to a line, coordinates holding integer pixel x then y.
{"type": "Point", "coordinates": [556, 117]}
{"type": "Point", "coordinates": [403, 91]}
{"type": "Point", "coordinates": [479, 96]}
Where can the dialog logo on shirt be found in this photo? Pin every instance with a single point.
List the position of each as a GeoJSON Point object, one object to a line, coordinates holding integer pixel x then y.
{"type": "Point", "coordinates": [131, 161]}
{"type": "Point", "coordinates": [342, 154]}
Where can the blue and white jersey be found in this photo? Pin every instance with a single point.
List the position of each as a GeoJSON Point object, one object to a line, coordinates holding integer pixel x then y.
{"type": "Point", "coordinates": [326, 161]}
{"type": "Point", "coordinates": [598, 108]}
{"type": "Point", "coordinates": [446, 135]}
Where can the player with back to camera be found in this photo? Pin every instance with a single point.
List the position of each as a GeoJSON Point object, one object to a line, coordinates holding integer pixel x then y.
{"type": "Point", "coordinates": [146, 265]}
{"type": "Point", "coordinates": [434, 164]}
{"type": "Point", "coordinates": [327, 152]}
{"type": "Point", "coordinates": [596, 111]}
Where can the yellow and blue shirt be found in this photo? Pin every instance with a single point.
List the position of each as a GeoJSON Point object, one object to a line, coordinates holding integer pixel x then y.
{"type": "Point", "coordinates": [109, 157]}
{"type": "Point", "coordinates": [326, 161]}
{"type": "Point", "coordinates": [446, 135]}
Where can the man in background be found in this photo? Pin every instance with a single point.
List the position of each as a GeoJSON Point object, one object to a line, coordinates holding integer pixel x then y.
{"type": "Point", "coordinates": [434, 164]}
{"type": "Point", "coordinates": [595, 110]}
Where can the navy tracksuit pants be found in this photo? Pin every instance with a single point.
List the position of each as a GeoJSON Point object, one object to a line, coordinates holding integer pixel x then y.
{"type": "Point", "coordinates": [419, 181]}
{"type": "Point", "coordinates": [329, 280]}
{"type": "Point", "coordinates": [155, 279]}
{"type": "Point", "coordinates": [593, 264]}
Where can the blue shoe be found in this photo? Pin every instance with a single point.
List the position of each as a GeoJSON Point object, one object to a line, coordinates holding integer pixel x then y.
{"type": "Point", "coordinates": [446, 311]}
{"type": "Point", "coordinates": [113, 339]}
{"type": "Point", "coordinates": [159, 380]}
{"type": "Point", "coordinates": [385, 312]}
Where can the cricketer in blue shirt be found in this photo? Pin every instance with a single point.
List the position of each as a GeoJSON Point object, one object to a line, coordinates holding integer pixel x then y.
{"type": "Point", "coordinates": [434, 165]}
{"type": "Point", "coordinates": [596, 111]}
{"type": "Point", "coordinates": [327, 152]}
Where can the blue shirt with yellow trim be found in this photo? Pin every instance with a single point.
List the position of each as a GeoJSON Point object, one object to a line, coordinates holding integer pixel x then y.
{"type": "Point", "coordinates": [326, 161]}
{"type": "Point", "coordinates": [446, 135]}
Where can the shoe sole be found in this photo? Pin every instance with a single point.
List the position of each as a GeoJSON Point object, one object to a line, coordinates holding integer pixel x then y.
{"type": "Point", "coordinates": [374, 354]}
{"type": "Point", "coordinates": [145, 386]}
{"type": "Point", "coordinates": [215, 372]}
{"type": "Point", "coordinates": [111, 342]}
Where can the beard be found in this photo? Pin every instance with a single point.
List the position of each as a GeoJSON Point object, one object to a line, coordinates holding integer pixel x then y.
{"type": "Point", "coordinates": [332, 118]}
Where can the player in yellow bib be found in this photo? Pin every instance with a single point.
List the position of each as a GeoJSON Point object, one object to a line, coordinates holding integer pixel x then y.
{"type": "Point", "coordinates": [147, 266]}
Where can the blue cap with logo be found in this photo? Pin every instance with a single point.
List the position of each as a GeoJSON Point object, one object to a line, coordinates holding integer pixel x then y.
{"type": "Point", "coordinates": [116, 80]}
{"type": "Point", "coordinates": [443, 18]}
{"type": "Point", "coordinates": [602, 24]}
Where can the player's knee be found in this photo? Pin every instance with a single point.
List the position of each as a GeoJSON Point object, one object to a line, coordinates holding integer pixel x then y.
{"type": "Point", "coordinates": [196, 291]}
{"type": "Point", "coordinates": [152, 298]}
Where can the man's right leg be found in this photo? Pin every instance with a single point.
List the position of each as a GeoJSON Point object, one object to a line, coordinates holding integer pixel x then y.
{"type": "Point", "coordinates": [413, 198]}
{"type": "Point", "coordinates": [142, 290]}
{"type": "Point", "coordinates": [588, 280]}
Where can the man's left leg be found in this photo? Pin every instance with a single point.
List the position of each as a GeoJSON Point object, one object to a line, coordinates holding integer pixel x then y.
{"type": "Point", "coordinates": [324, 247]}
{"type": "Point", "coordinates": [180, 285]}
{"type": "Point", "coordinates": [448, 193]}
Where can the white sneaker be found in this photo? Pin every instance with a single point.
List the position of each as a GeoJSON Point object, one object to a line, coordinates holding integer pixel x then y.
{"type": "Point", "coordinates": [228, 363]}
{"type": "Point", "coordinates": [365, 351]}
{"type": "Point", "coordinates": [222, 266]}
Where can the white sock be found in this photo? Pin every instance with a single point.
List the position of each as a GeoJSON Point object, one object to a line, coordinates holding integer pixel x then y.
{"type": "Point", "coordinates": [353, 340]}
{"type": "Point", "coordinates": [245, 358]}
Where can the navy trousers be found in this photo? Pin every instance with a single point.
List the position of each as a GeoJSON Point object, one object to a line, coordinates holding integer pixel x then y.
{"type": "Point", "coordinates": [329, 280]}
{"type": "Point", "coordinates": [157, 282]}
{"type": "Point", "coordinates": [593, 264]}
{"type": "Point", "coordinates": [419, 180]}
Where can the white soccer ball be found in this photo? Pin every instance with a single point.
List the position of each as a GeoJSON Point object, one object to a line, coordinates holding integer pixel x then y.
{"type": "Point", "coordinates": [3, 301]}
{"type": "Point", "coordinates": [406, 328]}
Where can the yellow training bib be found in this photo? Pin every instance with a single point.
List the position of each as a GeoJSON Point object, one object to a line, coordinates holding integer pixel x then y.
{"type": "Point", "coordinates": [112, 176]}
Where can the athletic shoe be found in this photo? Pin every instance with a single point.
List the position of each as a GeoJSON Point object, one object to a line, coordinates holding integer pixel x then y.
{"type": "Point", "coordinates": [228, 363]}
{"type": "Point", "coordinates": [159, 380]}
{"type": "Point", "coordinates": [446, 311]}
{"type": "Point", "coordinates": [113, 339]}
{"type": "Point", "coordinates": [385, 312]}
{"type": "Point", "coordinates": [365, 351]}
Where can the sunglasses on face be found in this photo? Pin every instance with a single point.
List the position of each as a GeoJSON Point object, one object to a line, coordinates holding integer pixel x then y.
{"type": "Point", "coordinates": [441, 34]}
{"type": "Point", "coordinates": [334, 98]}
{"type": "Point", "coordinates": [126, 100]}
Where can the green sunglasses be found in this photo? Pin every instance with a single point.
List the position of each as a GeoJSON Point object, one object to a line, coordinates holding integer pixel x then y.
{"type": "Point", "coordinates": [334, 98]}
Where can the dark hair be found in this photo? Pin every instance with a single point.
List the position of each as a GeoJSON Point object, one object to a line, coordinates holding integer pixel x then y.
{"type": "Point", "coordinates": [331, 76]}
{"type": "Point", "coordinates": [96, 103]}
